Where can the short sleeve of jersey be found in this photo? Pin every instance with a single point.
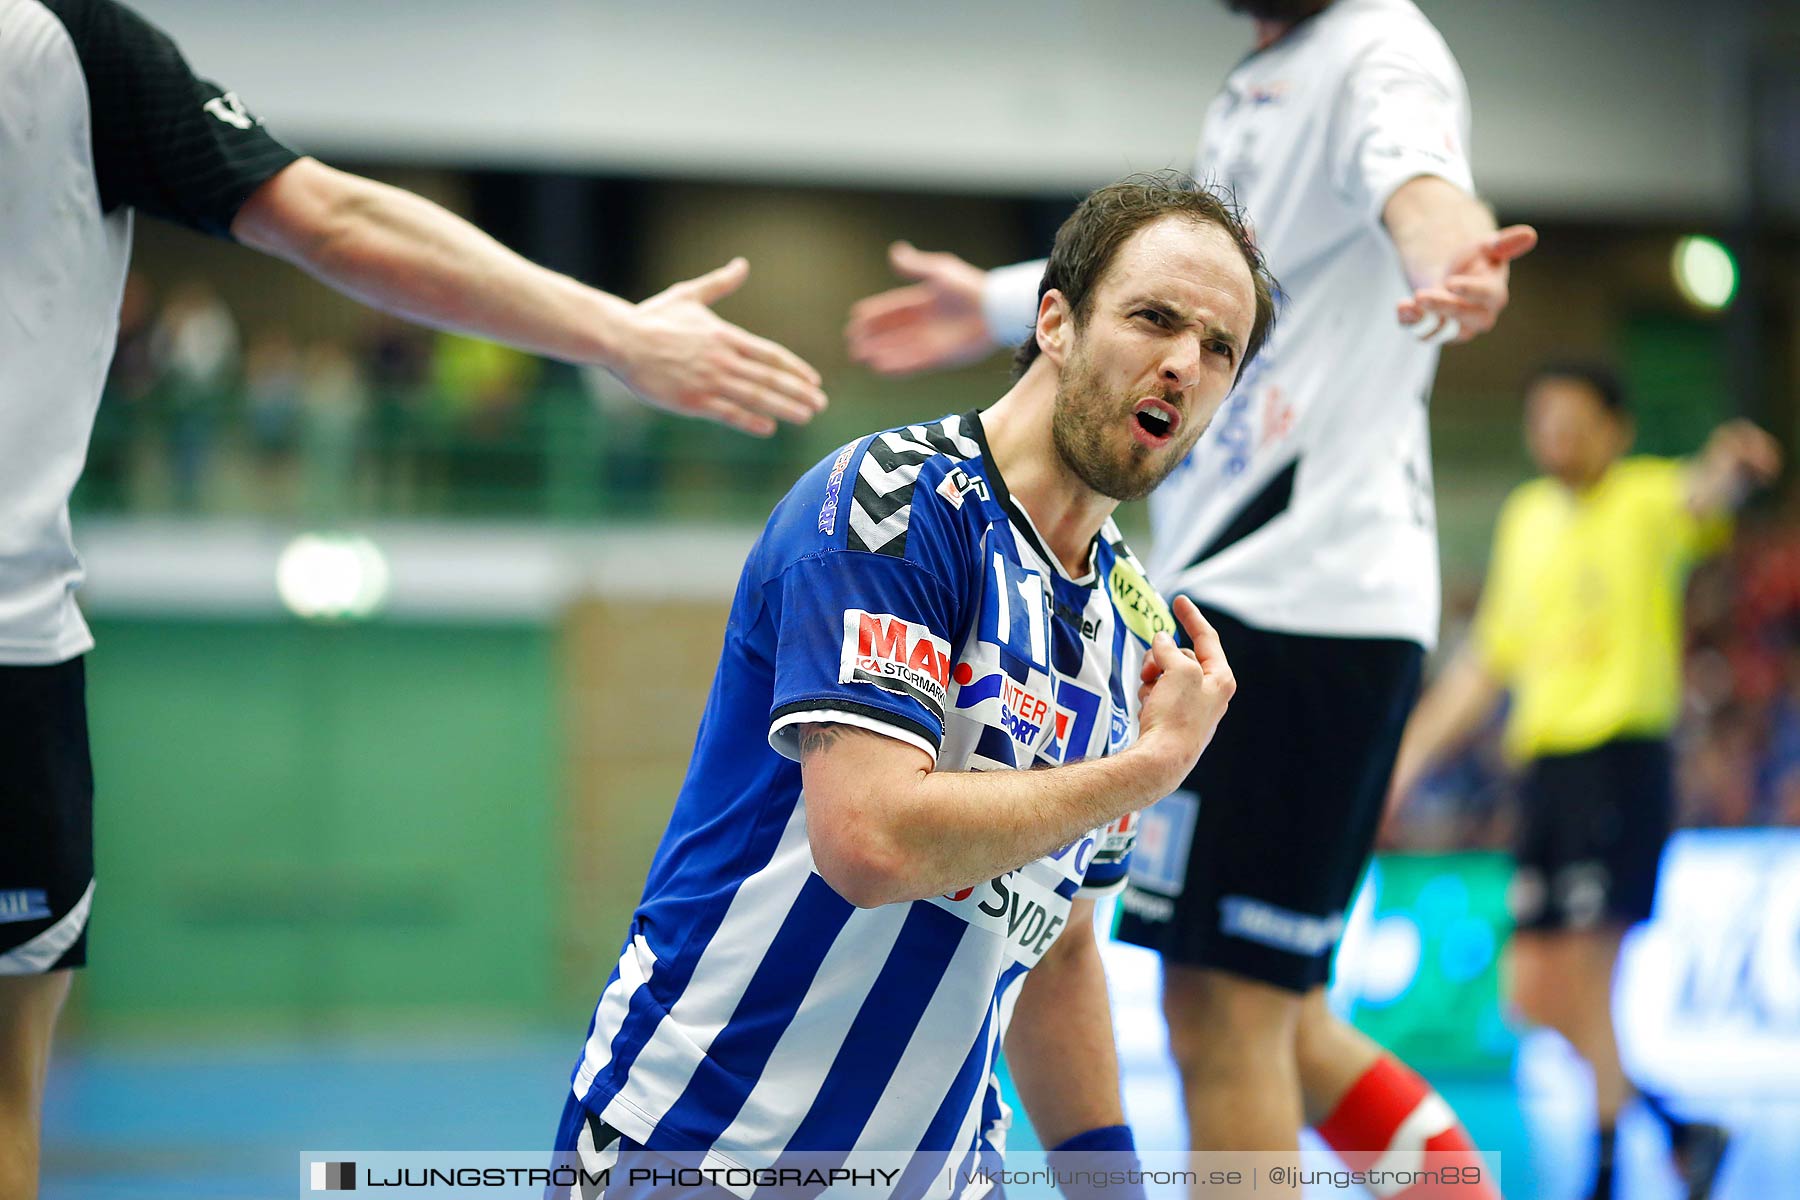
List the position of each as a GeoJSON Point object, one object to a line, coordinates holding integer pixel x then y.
{"type": "Point", "coordinates": [1499, 632]}
{"type": "Point", "coordinates": [165, 141]}
{"type": "Point", "coordinates": [863, 639]}
{"type": "Point", "coordinates": [1402, 113]}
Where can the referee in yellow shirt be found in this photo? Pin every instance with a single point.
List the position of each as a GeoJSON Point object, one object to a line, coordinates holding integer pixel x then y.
{"type": "Point", "coordinates": [1581, 623]}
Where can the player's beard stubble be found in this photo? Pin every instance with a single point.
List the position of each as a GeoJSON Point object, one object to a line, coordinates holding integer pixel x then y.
{"type": "Point", "coordinates": [1088, 424]}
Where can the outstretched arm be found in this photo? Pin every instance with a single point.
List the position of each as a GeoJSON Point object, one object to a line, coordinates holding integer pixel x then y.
{"type": "Point", "coordinates": [1456, 261]}
{"type": "Point", "coordinates": [1448, 715]}
{"type": "Point", "coordinates": [403, 254]}
{"type": "Point", "coordinates": [1737, 457]}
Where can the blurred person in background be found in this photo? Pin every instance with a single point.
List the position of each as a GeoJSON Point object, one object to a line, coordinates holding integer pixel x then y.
{"type": "Point", "coordinates": [334, 409]}
{"type": "Point", "coordinates": [1581, 621]}
{"type": "Point", "coordinates": [1780, 772]}
{"type": "Point", "coordinates": [272, 409]}
{"type": "Point", "coordinates": [198, 348]}
{"type": "Point", "coordinates": [1304, 526]}
{"type": "Point", "coordinates": [99, 117]}
{"type": "Point", "coordinates": [404, 422]}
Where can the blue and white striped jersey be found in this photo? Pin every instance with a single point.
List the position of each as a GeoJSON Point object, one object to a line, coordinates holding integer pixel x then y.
{"type": "Point", "coordinates": [753, 1011]}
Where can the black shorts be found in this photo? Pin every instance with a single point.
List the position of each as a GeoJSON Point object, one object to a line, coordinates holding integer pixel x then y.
{"type": "Point", "coordinates": [1591, 836]}
{"type": "Point", "coordinates": [46, 818]}
{"type": "Point", "coordinates": [1249, 868]}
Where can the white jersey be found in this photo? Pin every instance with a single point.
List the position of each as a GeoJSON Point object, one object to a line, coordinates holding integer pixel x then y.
{"type": "Point", "coordinates": [1307, 507]}
{"type": "Point", "coordinates": [99, 115]}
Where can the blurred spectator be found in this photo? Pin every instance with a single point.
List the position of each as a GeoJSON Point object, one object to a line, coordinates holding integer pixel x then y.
{"type": "Point", "coordinates": [333, 404]}
{"type": "Point", "coordinates": [197, 345]}
{"type": "Point", "coordinates": [1717, 769]}
{"type": "Point", "coordinates": [407, 444]}
{"type": "Point", "coordinates": [272, 412]}
{"type": "Point", "coordinates": [483, 388]}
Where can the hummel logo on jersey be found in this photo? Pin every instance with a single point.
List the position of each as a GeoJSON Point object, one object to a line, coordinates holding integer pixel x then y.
{"type": "Point", "coordinates": [229, 109]}
{"type": "Point", "coordinates": [1090, 628]}
{"type": "Point", "coordinates": [881, 499]}
{"type": "Point", "coordinates": [896, 655]}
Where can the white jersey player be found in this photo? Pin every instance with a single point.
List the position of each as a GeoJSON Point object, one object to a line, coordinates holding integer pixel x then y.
{"type": "Point", "coordinates": [1303, 525]}
{"type": "Point", "coordinates": [101, 118]}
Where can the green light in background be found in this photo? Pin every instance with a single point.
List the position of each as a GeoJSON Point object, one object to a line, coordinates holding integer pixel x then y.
{"type": "Point", "coordinates": [1705, 272]}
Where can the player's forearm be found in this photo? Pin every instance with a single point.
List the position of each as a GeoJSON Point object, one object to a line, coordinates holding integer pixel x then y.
{"type": "Point", "coordinates": [1447, 716]}
{"type": "Point", "coordinates": [961, 828]}
{"type": "Point", "coordinates": [1714, 488]}
{"type": "Point", "coordinates": [884, 839]}
{"type": "Point", "coordinates": [405, 255]}
{"type": "Point", "coordinates": [1434, 224]}
{"type": "Point", "coordinates": [1059, 1046]}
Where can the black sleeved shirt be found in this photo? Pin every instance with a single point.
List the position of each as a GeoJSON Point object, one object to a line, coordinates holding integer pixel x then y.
{"type": "Point", "coordinates": [99, 117]}
{"type": "Point", "coordinates": [165, 140]}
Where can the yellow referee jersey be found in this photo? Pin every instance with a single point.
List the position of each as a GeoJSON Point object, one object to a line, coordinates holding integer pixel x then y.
{"type": "Point", "coordinates": [1581, 615]}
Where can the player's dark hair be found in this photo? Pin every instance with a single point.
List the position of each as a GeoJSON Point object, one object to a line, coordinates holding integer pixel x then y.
{"type": "Point", "coordinates": [1599, 379]}
{"type": "Point", "coordinates": [1088, 241]}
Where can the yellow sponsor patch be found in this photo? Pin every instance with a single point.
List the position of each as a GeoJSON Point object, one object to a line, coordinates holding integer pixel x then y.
{"type": "Point", "coordinates": [1139, 604]}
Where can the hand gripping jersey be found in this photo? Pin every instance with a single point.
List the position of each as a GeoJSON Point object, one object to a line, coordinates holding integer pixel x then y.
{"type": "Point", "coordinates": [896, 588]}
{"type": "Point", "coordinates": [99, 115]}
{"type": "Point", "coordinates": [1307, 507]}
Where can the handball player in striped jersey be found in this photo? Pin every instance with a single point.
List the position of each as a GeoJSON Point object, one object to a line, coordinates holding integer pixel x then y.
{"type": "Point", "coordinates": [946, 689]}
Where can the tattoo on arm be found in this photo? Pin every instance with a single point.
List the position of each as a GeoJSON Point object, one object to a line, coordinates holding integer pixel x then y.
{"type": "Point", "coordinates": [814, 738]}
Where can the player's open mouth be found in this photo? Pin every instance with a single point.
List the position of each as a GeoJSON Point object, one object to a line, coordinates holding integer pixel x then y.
{"type": "Point", "coordinates": [1153, 421]}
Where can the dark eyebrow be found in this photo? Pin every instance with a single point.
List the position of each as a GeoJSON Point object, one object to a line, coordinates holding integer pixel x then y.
{"type": "Point", "coordinates": [1176, 313]}
{"type": "Point", "coordinates": [1161, 306]}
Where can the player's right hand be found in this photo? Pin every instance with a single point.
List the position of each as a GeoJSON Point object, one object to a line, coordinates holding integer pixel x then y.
{"type": "Point", "coordinates": [1184, 694]}
{"type": "Point", "coordinates": [680, 356]}
{"type": "Point", "coordinates": [936, 322]}
{"type": "Point", "coordinates": [1746, 450]}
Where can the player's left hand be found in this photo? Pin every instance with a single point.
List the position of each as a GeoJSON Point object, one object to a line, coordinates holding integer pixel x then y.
{"type": "Point", "coordinates": [1470, 299]}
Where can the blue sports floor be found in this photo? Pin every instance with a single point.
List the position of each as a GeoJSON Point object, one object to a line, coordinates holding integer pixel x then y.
{"type": "Point", "coordinates": [218, 1120]}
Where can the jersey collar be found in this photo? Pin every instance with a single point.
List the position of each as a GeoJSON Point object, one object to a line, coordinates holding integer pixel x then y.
{"type": "Point", "coordinates": [1021, 519]}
